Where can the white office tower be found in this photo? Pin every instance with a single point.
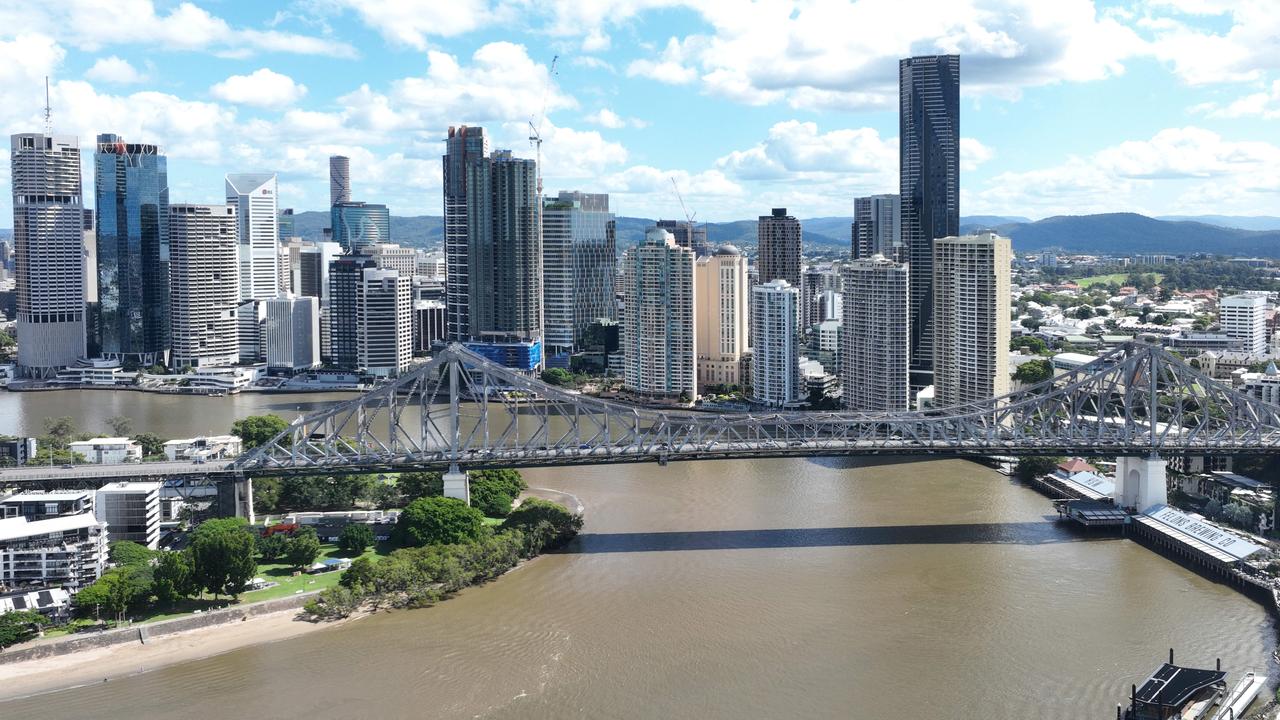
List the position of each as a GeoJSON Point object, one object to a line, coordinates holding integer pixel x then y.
{"type": "Point", "coordinates": [48, 238]}
{"type": "Point", "coordinates": [720, 281]}
{"type": "Point", "coordinates": [1244, 318]}
{"type": "Point", "coordinates": [971, 318]}
{"type": "Point", "coordinates": [204, 280]}
{"type": "Point", "coordinates": [384, 342]}
{"type": "Point", "coordinates": [254, 197]}
{"type": "Point", "coordinates": [775, 360]}
{"type": "Point", "coordinates": [874, 343]}
{"type": "Point", "coordinates": [291, 332]}
{"type": "Point", "coordinates": [658, 327]}
{"type": "Point", "coordinates": [579, 261]}
{"type": "Point", "coordinates": [339, 179]}
{"type": "Point", "coordinates": [131, 511]}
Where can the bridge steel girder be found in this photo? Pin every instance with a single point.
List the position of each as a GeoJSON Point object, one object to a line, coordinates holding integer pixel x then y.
{"type": "Point", "coordinates": [461, 409]}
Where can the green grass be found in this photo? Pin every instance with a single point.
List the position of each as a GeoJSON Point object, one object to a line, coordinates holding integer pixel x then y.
{"type": "Point", "coordinates": [291, 584]}
{"type": "Point", "coordinates": [494, 522]}
{"type": "Point", "coordinates": [1117, 278]}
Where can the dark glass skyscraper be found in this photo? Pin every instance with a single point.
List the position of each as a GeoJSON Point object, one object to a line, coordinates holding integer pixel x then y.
{"type": "Point", "coordinates": [358, 226]}
{"type": "Point", "coordinates": [131, 190]}
{"type": "Point", "coordinates": [464, 146]}
{"type": "Point", "coordinates": [929, 163]}
{"type": "Point", "coordinates": [504, 249]}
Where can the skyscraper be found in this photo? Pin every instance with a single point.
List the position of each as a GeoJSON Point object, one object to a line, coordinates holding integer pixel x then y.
{"type": "Point", "coordinates": [357, 226]}
{"type": "Point", "coordinates": [48, 217]}
{"type": "Point", "coordinates": [254, 196]}
{"type": "Point", "coordinates": [971, 316]}
{"type": "Point", "coordinates": [688, 235]}
{"type": "Point", "coordinates": [658, 327]}
{"type": "Point", "coordinates": [775, 360]}
{"type": "Point", "coordinates": [205, 285]}
{"type": "Point", "coordinates": [1244, 318]}
{"type": "Point", "coordinates": [720, 281]}
{"type": "Point", "coordinates": [463, 146]}
{"type": "Point", "coordinates": [929, 184]}
{"type": "Point", "coordinates": [876, 230]}
{"type": "Point", "coordinates": [874, 341]}
{"type": "Point", "coordinates": [286, 227]}
{"type": "Point", "coordinates": [504, 253]}
{"type": "Point", "coordinates": [339, 179]}
{"type": "Point", "coordinates": [384, 342]}
{"type": "Point", "coordinates": [291, 332]}
{"type": "Point", "coordinates": [579, 262]}
{"type": "Point", "coordinates": [779, 237]}
{"type": "Point", "coordinates": [346, 276]}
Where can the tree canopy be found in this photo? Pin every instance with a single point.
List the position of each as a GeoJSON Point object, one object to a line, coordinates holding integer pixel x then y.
{"type": "Point", "coordinates": [435, 520]}
{"type": "Point", "coordinates": [127, 552]}
{"type": "Point", "coordinates": [1033, 371]}
{"type": "Point", "coordinates": [303, 548]}
{"type": "Point", "coordinates": [19, 626]}
{"type": "Point", "coordinates": [355, 538]}
{"type": "Point", "coordinates": [223, 552]}
{"type": "Point", "coordinates": [493, 491]}
{"type": "Point", "coordinates": [258, 429]}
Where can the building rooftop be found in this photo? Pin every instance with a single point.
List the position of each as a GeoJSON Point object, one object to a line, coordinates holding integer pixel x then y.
{"type": "Point", "coordinates": [130, 487]}
{"type": "Point", "coordinates": [20, 527]}
{"type": "Point", "coordinates": [104, 441]}
{"type": "Point", "coordinates": [50, 496]}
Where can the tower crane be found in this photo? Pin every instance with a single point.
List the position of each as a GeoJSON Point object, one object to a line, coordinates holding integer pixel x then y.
{"type": "Point", "coordinates": [535, 131]}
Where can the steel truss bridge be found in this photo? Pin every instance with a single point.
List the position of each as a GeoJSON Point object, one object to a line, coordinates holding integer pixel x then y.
{"type": "Point", "coordinates": [462, 411]}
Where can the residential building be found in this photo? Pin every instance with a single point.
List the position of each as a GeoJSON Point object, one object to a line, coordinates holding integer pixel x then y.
{"type": "Point", "coordinates": [579, 261]}
{"type": "Point", "coordinates": [49, 252]}
{"type": "Point", "coordinates": [67, 550]}
{"type": "Point", "coordinates": [658, 325]}
{"type": "Point", "coordinates": [131, 511]}
{"type": "Point", "coordinates": [776, 380]}
{"type": "Point", "coordinates": [107, 451]}
{"type": "Point", "coordinates": [720, 284]}
{"type": "Point", "coordinates": [824, 345]}
{"type": "Point", "coordinates": [874, 342]}
{"type": "Point", "coordinates": [43, 505]}
{"type": "Point", "coordinates": [463, 147]}
{"type": "Point", "coordinates": [779, 239]}
{"type": "Point", "coordinates": [16, 450]}
{"type": "Point", "coordinates": [211, 447]}
{"type": "Point", "coordinates": [346, 279]}
{"type": "Point", "coordinates": [1244, 318]}
{"type": "Point", "coordinates": [971, 316]}
{"type": "Point", "coordinates": [131, 194]}
{"type": "Point", "coordinates": [821, 284]}
{"type": "Point", "coordinates": [688, 235]}
{"type": "Point", "coordinates": [876, 230]}
{"type": "Point", "coordinates": [929, 186]}
{"type": "Point", "coordinates": [358, 226]}
{"type": "Point", "coordinates": [384, 340]}
{"type": "Point", "coordinates": [291, 333]}
{"type": "Point", "coordinates": [339, 179]}
{"type": "Point", "coordinates": [205, 285]}
{"type": "Point", "coordinates": [254, 196]}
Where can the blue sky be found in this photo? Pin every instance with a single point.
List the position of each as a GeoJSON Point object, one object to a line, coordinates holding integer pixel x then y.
{"type": "Point", "coordinates": [1070, 106]}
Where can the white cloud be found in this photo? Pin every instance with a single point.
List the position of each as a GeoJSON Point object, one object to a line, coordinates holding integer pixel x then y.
{"type": "Point", "coordinates": [413, 22]}
{"type": "Point", "coordinates": [973, 153]}
{"type": "Point", "coordinates": [798, 151]}
{"type": "Point", "coordinates": [671, 66]}
{"type": "Point", "coordinates": [114, 70]}
{"type": "Point", "coordinates": [604, 117]}
{"type": "Point", "coordinates": [1265, 104]}
{"type": "Point", "coordinates": [262, 88]}
{"type": "Point", "coordinates": [1200, 55]}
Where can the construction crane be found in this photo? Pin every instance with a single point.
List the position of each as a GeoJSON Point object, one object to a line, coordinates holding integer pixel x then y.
{"type": "Point", "coordinates": [48, 111]}
{"type": "Point", "coordinates": [535, 131]}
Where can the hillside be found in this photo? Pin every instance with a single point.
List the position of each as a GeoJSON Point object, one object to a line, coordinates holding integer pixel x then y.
{"type": "Point", "coordinates": [1133, 233]}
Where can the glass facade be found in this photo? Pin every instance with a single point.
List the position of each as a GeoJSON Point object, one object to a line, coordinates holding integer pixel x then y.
{"type": "Point", "coordinates": [357, 226]}
{"type": "Point", "coordinates": [131, 186]}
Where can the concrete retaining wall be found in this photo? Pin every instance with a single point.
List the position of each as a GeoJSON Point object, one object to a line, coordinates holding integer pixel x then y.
{"type": "Point", "coordinates": [141, 633]}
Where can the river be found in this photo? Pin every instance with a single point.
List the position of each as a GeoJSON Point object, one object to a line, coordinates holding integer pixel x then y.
{"type": "Point", "coordinates": [728, 589]}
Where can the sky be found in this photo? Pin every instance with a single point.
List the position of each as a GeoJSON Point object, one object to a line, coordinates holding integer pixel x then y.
{"type": "Point", "coordinates": [1068, 106]}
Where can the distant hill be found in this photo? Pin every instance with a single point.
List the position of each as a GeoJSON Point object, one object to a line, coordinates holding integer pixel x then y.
{"type": "Point", "coordinates": [1241, 222]}
{"type": "Point", "coordinates": [1133, 233]}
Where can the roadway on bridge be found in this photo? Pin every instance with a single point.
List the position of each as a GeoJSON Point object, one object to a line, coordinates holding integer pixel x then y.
{"type": "Point", "coordinates": [36, 473]}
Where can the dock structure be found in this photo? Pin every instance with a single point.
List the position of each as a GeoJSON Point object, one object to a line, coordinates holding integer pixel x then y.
{"type": "Point", "coordinates": [1173, 691]}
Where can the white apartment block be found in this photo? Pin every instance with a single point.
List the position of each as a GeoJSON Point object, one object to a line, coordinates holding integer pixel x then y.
{"type": "Point", "coordinates": [254, 197]}
{"type": "Point", "coordinates": [720, 283]}
{"type": "Point", "coordinates": [1244, 318]}
{"type": "Point", "coordinates": [291, 332]}
{"type": "Point", "coordinates": [384, 342]}
{"type": "Point", "coordinates": [658, 323]}
{"type": "Point", "coordinates": [108, 451]}
{"type": "Point", "coordinates": [776, 379]}
{"type": "Point", "coordinates": [874, 343]}
{"type": "Point", "coordinates": [204, 277]}
{"type": "Point", "coordinates": [211, 447]}
{"type": "Point", "coordinates": [131, 511]}
{"type": "Point", "coordinates": [67, 550]}
{"type": "Point", "coordinates": [971, 318]}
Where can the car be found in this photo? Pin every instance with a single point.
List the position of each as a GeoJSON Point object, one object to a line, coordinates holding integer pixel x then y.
{"type": "Point", "coordinates": [68, 466]}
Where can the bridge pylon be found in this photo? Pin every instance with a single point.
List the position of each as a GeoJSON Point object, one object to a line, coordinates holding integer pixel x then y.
{"type": "Point", "coordinates": [1141, 482]}
{"type": "Point", "coordinates": [456, 484]}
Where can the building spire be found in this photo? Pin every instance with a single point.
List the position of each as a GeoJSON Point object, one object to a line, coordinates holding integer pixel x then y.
{"type": "Point", "coordinates": [48, 111]}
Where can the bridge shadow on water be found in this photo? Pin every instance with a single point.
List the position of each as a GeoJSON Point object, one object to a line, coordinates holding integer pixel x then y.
{"type": "Point", "coordinates": [1013, 533]}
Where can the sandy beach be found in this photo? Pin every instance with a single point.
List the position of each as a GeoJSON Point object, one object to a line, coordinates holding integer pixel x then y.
{"type": "Point", "coordinates": [109, 663]}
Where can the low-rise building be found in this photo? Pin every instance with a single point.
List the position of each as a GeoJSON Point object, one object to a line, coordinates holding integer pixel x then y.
{"type": "Point", "coordinates": [211, 447]}
{"type": "Point", "coordinates": [131, 511]}
{"type": "Point", "coordinates": [16, 450]}
{"type": "Point", "coordinates": [108, 451]}
{"type": "Point", "coordinates": [49, 601]}
{"type": "Point", "coordinates": [43, 505]}
{"type": "Point", "coordinates": [68, 550]}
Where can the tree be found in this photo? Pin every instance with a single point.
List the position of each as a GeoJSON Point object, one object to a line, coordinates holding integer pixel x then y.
{"type": "Point", "coordinates": [47, 455]}
{"type": "Point", "coordinates": [360, 576]}
{"type": "Point", "coordinates": [432, 520]}
{"type": "Point", "coordinates": [127, 552]}
{"type": "Point", "coordinates": [320, 492]}
{"type": "Point", "coordinates": [222, 552]}
{"type": "Point", "coordinates": [152, 444]}
{"type": "Point", "coordinates": [493, 491]}
{"type": "Point", "coordinates": [355, 538]}
{"type": "Point", "coordinates": [59, 431]}
{"type": "Point", "coordinates": [174, 577]}
{"type": "Point", "coordinates": [1084, 312]}
{"type": "Point", "coordinates": [19, 626]}
{"type": "Point", "coordinates": [557, 376]}
{"type": "Point", "coordinates": [120, 425]}
{"type": "Point", "coordinates": [117, 590]}
{"type": "Point", "coordinates": [414, 485]}
{"type": "Point", "coordinates": [1033, 371]}
{"type": "Point", "coordinates": [1033, 466]}
{"type": "Point", "coordinates": [273, 547]}
{"type": "Point", "coordinates": [304, 548]}
{"type": "Point", "coordinates": [266, 494]}
{"type": "Point", "coordinates": [1030, 342]}
{"type": "Point", "coordinates": [386, 496]}
{"type": "Point", "coordinates": [258, 429]}
{"type": "Point", "coordinates": [543, 523]}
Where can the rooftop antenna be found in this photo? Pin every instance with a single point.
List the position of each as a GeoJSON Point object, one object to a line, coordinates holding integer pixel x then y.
{"type": "Point", "coordinates": [48, 111]}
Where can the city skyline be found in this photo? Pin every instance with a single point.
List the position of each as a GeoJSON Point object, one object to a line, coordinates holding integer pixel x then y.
{"type": "Point", "coordinates": [236, 88]}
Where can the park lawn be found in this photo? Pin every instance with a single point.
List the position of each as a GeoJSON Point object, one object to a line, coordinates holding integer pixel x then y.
{"type": "Point", "coordinates": [494, 522]}
{"type": "Point", "coordinates": [1117, 278]}
{"type": "Point", "coordinates": [291, 585]}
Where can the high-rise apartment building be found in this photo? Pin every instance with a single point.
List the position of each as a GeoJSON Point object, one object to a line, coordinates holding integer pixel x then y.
{"type": "Point", "coordinates": [131, 511]}
{"type": "Point", "coordinates": [658, 324]}
{"type": "Point", "coordinates": [1244, 318]}
{"type": "Point", "coordinates": [821, 284]}
{"type": "Point", "coordinates": [346, 277]}
{"type": "Point", "coordinates": [291, 332]}
{"type": "Point", "coordinates": [876, 230]}
{"type": "Point", "coordinates": [358, 226]}
{"type": "Point", "coordinates": [131, 193]}
{"type": "Point", "coordinates": [384, 341]}
{"type": "Point", "coordinates": [464, 146]}
{"type": "Point", "coordinates": [339, 179]}
{"type": "Point", "coordinates": [205, 285]}
{"type": "Point", "coordinates": [254, 197]}
{"type": "Point", "coordinates": [779, 240]}
{"type": "Point", "coordinates": [48, 217]}
{"type": "Point", "coordinates": [722, 300]}
{"type": "Point", "coordinates": [775, 356]}
{"type": "Point", "coordinates": [579, 261]}
{"type": "Point", "coordinates": [688, 235]}
{"type": "Point", "coordinates": [971, 318]}
{"type": "Point", "coordinates": [874, 342]}
{"type": "Point", "coordinates": [929, 184]}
